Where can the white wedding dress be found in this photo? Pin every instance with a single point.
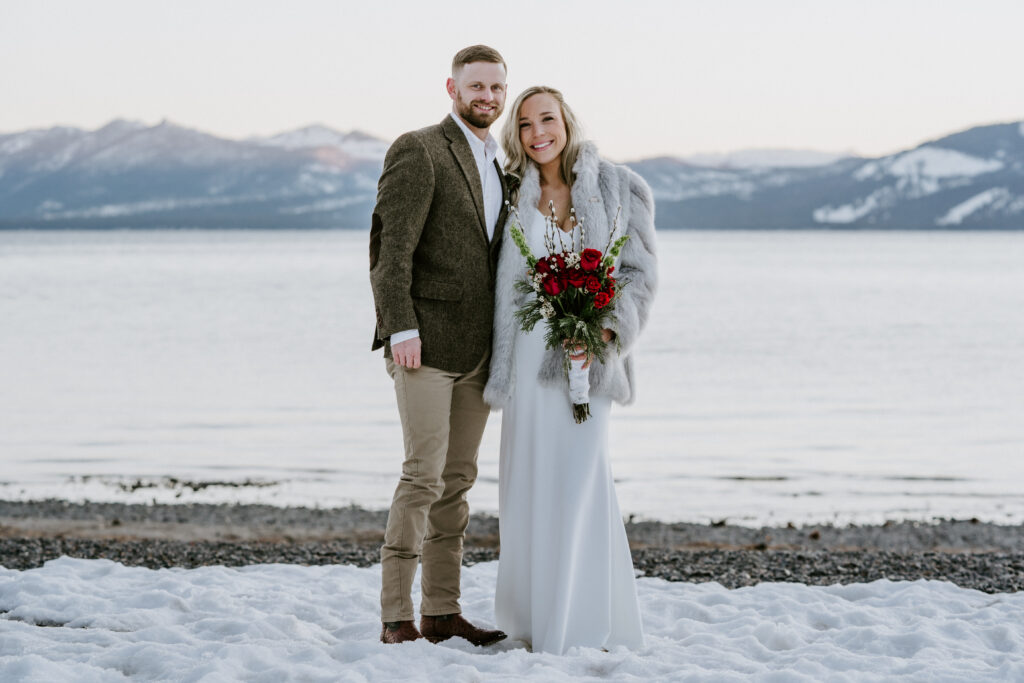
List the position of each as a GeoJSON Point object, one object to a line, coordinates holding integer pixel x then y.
{"type": "Point", "coordinates": [565, 575]}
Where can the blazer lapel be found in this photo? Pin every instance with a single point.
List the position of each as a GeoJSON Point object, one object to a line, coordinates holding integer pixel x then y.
{"type": "Point", "coordinates": [499, 226]}
{"type": "Point", "coordinates": [459, 146]}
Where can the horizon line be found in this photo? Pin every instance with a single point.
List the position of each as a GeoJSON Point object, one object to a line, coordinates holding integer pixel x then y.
{"type": "Point", "coordinates": [848, 153]}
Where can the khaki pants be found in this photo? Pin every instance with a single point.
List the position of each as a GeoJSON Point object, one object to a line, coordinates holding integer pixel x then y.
{"type": "Point", "coordinates": [443, 416]}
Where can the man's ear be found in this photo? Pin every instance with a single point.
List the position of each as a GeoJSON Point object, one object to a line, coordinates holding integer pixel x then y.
{"type": "Point", "coordinates": [450, 85]}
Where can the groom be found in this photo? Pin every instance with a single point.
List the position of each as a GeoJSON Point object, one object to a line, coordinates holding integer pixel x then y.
{"type": "Point", "coordinates": [433, 254]}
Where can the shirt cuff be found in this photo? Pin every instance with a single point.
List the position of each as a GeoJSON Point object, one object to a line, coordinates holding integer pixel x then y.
{"type": "Point", "coordinates": [404, 335]}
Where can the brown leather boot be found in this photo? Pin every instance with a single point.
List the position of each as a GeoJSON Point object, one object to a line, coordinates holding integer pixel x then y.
{"type": "Point", "coordinates": [398, 632]}
{"type": "Point", "coordinates": [442, 627]}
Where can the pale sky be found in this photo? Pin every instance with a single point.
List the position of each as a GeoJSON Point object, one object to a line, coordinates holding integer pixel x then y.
{"type": "Point", "coordinates": [646, 77]}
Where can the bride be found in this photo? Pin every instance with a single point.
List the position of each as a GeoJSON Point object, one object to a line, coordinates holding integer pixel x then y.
{"type": "Point", "coordinates": [565, 575]}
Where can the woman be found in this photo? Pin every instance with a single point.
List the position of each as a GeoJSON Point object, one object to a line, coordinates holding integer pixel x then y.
{"type": "Point", "coordinates": [565, 577]}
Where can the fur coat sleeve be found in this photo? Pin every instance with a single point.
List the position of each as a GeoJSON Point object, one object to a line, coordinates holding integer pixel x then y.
{"type": "Point", "coordinates": [637, 264]}
{"type": "Point", "coordinates": [601, 189]}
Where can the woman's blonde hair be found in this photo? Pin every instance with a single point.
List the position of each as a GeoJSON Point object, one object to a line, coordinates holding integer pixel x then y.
{"type": "Point", "coordinates": [516, 161]}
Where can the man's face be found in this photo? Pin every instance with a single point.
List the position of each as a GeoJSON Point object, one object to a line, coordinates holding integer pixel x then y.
{"type": "Point", "coordinates": [478, 92]}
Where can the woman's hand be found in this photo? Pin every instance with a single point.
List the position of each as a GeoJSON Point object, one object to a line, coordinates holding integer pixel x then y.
{"type": "Point", "coordinates": [579, 352]}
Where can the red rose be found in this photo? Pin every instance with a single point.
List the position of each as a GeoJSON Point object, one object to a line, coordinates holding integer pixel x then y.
{"type": "Point", "coordinates": [601, 299]}
{"type": "Point", "coordinates": [558, 262]}
{"type": "Point", "coordinates": [590, 259]}
{"type": "Point", "coordinates": [611, 269]}
{"type": "Point", "coordinates": [553, 286]}
{"type": "Point", "coordinates": [543, 267]}
{"type": "Point", "coordinates": [577, 278]}
{"type": "Point", "coordinates": [593, 284]}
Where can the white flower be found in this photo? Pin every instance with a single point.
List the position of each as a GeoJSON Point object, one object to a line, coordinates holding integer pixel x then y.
{"type": "Point", "coordinates": [536, 280]}
{"type": "Point", "coordinates": [571, 259]}
{"type": "Point", "coordinates": [547, 310]}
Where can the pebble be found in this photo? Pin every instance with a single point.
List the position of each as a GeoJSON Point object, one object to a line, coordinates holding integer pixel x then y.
{"type": "Point", "coordinates": [969, 553]}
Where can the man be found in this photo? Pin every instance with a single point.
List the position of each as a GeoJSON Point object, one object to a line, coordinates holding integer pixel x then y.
{"type": "Point", "coordinates": [433, 254]}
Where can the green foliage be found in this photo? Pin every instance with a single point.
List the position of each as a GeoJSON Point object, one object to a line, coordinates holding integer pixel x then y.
{"type": "Point", "coordinates": [520, 239]}
{"type": "Point", "coordinates": [530, 313]}
{"type": "Point", "coordinates": [613, 251]}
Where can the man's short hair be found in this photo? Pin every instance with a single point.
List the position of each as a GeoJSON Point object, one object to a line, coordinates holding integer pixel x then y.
{"type": "Point", "coordinates": [476, 53]}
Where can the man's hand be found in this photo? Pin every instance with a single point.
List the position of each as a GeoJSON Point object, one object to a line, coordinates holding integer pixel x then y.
{"type": "Point", "coordinates": [407, 353]}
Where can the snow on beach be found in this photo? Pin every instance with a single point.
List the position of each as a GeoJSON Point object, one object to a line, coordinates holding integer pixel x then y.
{"type": "Point", "coordinates": [96, 620]}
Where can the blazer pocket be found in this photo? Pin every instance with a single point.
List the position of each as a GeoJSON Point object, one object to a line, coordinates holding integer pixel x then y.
{"type": "Point", "coordinates": [436, 289]}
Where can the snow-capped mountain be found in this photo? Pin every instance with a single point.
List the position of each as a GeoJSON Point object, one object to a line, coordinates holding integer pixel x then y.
{"type": "Point", "coordinates": [128, 174]}
{"type": "Point", "coordinates": [355, 144]}
{"type": "Point", "coordinates": [974, 177]}
{"type": "Point", "coordinates": [971, 179]}
{"type": "Point", "coordinates": [765, 158]}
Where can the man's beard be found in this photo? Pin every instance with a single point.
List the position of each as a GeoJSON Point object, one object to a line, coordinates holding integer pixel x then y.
{"type": "Point", "coordinates": [476, 119]}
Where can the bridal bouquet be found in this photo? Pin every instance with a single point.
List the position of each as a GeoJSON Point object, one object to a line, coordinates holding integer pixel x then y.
{"type": "Point", "coordinates": [575, 293]}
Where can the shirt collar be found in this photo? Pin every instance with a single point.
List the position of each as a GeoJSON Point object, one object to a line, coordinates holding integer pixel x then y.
{"type": "Point", "coordinates": [488, 146]}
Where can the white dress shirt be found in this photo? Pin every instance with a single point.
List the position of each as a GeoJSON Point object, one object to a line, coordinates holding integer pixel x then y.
{"type": "Point", "coordinates": [484, 152]}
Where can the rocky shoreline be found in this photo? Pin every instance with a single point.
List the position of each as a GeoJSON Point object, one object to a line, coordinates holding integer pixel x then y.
{"type": "Point", "coordinates": [970, 553]}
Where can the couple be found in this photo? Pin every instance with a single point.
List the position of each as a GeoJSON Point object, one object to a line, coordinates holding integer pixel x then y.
{"type": "Point", "coordinates": [442, 269]}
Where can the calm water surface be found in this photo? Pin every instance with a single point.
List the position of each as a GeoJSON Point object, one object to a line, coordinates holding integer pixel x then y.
{"type": "Point", "coordinates": [785, 376]}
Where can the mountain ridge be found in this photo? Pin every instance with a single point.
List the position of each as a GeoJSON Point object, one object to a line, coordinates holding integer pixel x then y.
{"type": "Point", "coordinates": [130, 174]}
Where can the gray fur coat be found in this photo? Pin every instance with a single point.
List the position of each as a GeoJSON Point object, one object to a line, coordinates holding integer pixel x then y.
{"type": "Point", "coordinates": [601, 187]}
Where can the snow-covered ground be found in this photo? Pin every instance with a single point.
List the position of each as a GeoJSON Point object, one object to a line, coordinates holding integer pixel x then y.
{"type": "Point", "coordinates": [96, 620]}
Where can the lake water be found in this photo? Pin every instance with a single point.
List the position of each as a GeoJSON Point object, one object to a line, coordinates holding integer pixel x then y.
{"type": "Point", "coordinates": [785, 376]}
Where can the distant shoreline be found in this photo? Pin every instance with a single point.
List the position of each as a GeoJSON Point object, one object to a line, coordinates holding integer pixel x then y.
{"type": "Point", "coordinates": [104, 226]}
{"type": "Point", "coordinates": [972, 554]}
{"type": "Point", "coordinates": [232, 522]}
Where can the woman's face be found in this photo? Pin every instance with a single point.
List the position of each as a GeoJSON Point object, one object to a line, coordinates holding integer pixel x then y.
{"type": "Point", "coordinates": [541, 128]}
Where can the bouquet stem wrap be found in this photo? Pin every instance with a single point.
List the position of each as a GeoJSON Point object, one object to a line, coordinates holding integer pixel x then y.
{"type": "Point", "coordinates": [579, 389]}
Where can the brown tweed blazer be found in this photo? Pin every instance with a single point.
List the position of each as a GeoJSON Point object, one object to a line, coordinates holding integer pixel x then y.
{"type": "Point", "coordinates": [431, 264]}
